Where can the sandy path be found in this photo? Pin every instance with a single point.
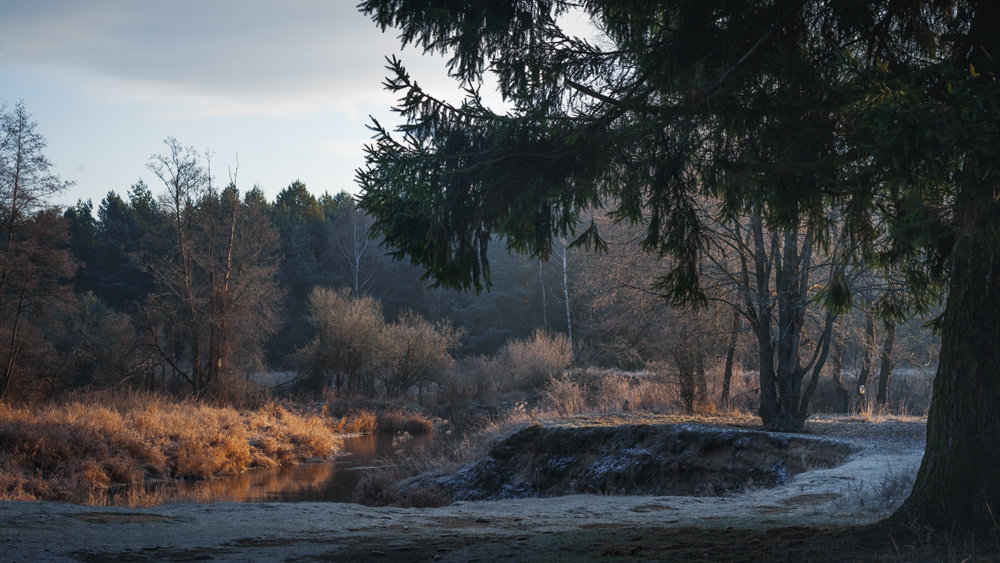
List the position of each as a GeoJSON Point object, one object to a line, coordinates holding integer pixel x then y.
{"type": "Point", "coordinates": [850, 493]}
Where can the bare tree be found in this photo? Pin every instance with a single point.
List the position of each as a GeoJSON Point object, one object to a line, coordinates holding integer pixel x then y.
{"type": "Point", "coordinates": [561, 253]}
{"type": "Point", "coordinates": [886, 364]}
{"type": "Point", "coordinates": [347, 332]}
{"type": "Point", "coordinates": [217, 297]}
{"type": "Point", "coordinates": [34, 260]}
{"type": "Point", "coordinates": [415, 352]}
{"type": "Point", "coordinates": [772, 285]}
{"type": "Point", "coordinates": [354, 249]}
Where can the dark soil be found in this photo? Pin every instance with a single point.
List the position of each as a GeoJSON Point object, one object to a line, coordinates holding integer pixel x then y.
{"type": "Point", "coordinates": [800, 544]}
{"type": "Point", "coordinates": [644, 459]}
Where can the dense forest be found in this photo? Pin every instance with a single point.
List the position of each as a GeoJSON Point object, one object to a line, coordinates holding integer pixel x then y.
{"type": "Point", "coordinates": [189, 284]}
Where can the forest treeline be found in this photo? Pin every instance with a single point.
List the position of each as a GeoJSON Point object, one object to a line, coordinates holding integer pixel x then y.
{"type": "Point", "coordinates": [190, 284]}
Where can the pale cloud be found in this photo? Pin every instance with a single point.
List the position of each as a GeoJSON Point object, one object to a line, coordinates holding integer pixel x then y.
{"type": "Point", "coordinates": [288, 85]}
{"type": "Point", "coordinates": [222, 58]}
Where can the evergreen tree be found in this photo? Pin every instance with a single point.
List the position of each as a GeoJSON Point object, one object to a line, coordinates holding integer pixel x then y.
{"type": "Point", "coordinates": [122, 284]}
{"type": "Point", "coordinates": [780, 108]}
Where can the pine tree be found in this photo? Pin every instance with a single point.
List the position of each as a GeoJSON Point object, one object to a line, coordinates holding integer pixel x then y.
{"type": "Point", "coordinates": [780, 109]}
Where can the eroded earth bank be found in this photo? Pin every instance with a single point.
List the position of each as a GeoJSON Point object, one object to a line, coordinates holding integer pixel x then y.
{"type": "Point", "coordinates": [557, 491]}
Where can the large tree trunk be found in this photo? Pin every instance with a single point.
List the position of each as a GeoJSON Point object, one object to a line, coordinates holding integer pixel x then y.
{"type": "Point", "coordinates": [958, 484]}
{"type": "Point", "coordinates": [765, 343]}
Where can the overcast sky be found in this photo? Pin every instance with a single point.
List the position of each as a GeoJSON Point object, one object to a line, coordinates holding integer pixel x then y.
{"type": "Point", "coordinates": [286, 86]}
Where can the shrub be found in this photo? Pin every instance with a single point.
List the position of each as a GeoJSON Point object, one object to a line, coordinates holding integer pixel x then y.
{"type": "Point", "coordinates": [565, 396]}
{"type": "Point", "coordinates": [653, 394]}
{"type": "Point", "coordinates": [473, 376]}
{"type": "Point", "coordinates": [613, 393]}
{"type": "Point", "coordinates": [386, 488]}
{"type": "Point", "coordinates": [394, 421]}
{"type": "Point", "coordinates": [418, 496]}
{"type": "Point", "coordinates": [530, 363]}
{"type": "Point", "coordinates": [415, 352]}
{"type": "Point", "coordinates": [346, 335]}
{"type": "Point", "coordinates": [379, 488]}
{"type": "Point", "coordinates": [357, 422]}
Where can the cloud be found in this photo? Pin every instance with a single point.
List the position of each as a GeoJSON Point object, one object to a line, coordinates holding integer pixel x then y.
{"type": "Point", "coordinates": [224, 57]}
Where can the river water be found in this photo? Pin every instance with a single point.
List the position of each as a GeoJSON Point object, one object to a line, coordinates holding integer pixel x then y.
{"type": "Point", "coordinates": [327, 481]}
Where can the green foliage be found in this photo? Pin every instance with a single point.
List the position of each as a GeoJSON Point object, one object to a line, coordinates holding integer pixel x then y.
{"type": "Point", "coordinates": [665, 106]}
{"type": "Point", "coordinates": [931, 131]}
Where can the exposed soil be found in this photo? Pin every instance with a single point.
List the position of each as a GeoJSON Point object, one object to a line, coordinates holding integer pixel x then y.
{"type": "Point", "coordinates": [637, 459]}
{"type": "Point", "coordinates": [821, 514]}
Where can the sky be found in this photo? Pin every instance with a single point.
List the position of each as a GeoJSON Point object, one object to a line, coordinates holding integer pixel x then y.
{"type": "Point", "coordinates": [276, 90]}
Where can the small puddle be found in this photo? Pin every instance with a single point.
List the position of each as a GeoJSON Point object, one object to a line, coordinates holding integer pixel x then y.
{"type": "Point", "coordinates": [328, 481]}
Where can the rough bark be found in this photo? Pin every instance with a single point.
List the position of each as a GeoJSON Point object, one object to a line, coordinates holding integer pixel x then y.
{"type": "Point", "coordinates": [958, 484]}
{"type": "Point", "coordinates": [765, 344]}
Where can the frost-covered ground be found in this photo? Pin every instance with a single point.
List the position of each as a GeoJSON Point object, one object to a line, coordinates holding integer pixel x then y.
{"type": "Point", "coordinates": [868, 486]}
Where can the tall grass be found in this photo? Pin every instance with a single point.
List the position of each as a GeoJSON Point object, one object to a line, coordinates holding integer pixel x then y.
{"type": "Point", "coordinates": [87, 445]}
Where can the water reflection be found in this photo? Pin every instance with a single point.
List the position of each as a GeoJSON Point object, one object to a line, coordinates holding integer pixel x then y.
{"type": "Point", "coordinates": [330, 481]}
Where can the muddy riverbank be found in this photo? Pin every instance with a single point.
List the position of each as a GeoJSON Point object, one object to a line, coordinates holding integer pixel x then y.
{"type": "Point", "coordinates": [526, 528]}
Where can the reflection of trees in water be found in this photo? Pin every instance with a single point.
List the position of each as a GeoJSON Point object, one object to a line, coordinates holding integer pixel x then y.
{"type": "Point", "coordinates": [325, 481]}
{"type": "Point", "coordinates": [309, 479]}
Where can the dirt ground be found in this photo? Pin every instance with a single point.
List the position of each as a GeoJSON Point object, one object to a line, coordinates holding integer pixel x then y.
{"type": "Point", "coordinates": [820, 515]}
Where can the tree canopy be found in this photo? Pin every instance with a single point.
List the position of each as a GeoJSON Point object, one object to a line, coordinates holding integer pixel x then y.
{"type": "Point", "coordinates": [889, 110]}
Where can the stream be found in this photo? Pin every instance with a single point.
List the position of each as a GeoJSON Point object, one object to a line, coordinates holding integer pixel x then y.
{"type": "Point", "coordinates": [326, 481]}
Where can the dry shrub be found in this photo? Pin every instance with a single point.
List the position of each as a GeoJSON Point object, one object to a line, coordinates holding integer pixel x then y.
{"type": "Point", "coordinates": [473, 376]}
{"type": "Point", "coordinates": [528, 364]}
{"type": "Point", "coordinates": [393, 421]}
{"type": "Point", "coordinates": [613, 393]}
{"type": "Point", "coordinates": [386, 488]}
{"type": "Point", "coordinates": [379, 488]}
{"type": "Point", "coordinates": [564, 395]}
{"type": "Point", "coordinates": [345, 347]}
{"type": "Point", "coordinates": [361, 421]}
{"type": "Point", "coordinates": [87, 445]}
{"type": "Point", "coordinates": [653, 395]}
{"type": "Point", "coordinates": [415, 352]}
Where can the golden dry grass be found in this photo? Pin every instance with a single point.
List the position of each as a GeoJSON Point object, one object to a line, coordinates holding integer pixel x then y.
{"type": "Point", "coordinates": [361, 421]}
{"type": "Point", "coordinates": [87, 446]}
{"type": "Point", "coordinates": [396, 420]}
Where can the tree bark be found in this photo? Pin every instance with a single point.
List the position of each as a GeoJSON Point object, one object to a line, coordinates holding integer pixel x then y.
{"type": "Point", "coordinates": [957, 488]}
{"type": "Point", "coordinates": [569, 319]}
{"type": "Point", "coordinates": [727, 375]}
{"type": "Point", "coordinates": [842, 394]}
{"type": "Point", "coordinates": [870, 342]}
{"type": "Point", "coordinates": [765, 344]}
{"type": "Point", "coordinates": [885, 367]}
